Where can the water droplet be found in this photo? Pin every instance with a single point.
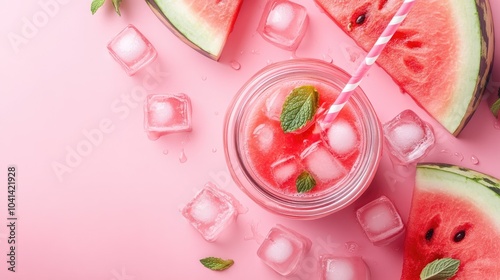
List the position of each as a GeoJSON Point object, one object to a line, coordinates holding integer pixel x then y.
{"type": "Point", "coordinates": [235, 65]}
{"type": "Point", "coordinates": [327, 58]}
{"type": "Point", "coordinates": [254, 51]}
{"type": "Point", "coordinates": [474, 160]}
{"type": "Point", "coordinates": [214, 150]}
{"type": "Point", "coordinates": [459, 156]}
{"type": "Point", "coordinates": [351, 246]}
{"type": "Point", "coordinates": [269, 61]}
{"type": "Point", "coordinates": [216, 113]}
{"type": "Point", "coordinates": [203, 78]}
{"type": "Point", "coordinates": [255, 235]}
{"type": "Point", "coordinates": [165, 152]}
{"type": "Point", "coordinates": [182, 157]}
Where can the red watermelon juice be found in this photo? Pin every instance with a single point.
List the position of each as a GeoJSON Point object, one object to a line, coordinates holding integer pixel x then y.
{"type": "Point", "coordinates": [302, 172]}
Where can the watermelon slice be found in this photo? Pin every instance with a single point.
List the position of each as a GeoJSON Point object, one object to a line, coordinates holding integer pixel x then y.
{"type": "Point", "coordinates": [441, 54]}
{"type": "Point", "coordinates": [202, 24]}
{"type": "Point", "coordinates": [455, 213]}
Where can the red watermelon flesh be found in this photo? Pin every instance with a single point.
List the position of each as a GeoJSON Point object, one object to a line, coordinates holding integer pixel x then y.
{"type": "Point", "coordinates": [204, 25]}
{"type": "Point", "coordinates": [441, 54]}
{"type": "Point", "coordinates": [455, 213]}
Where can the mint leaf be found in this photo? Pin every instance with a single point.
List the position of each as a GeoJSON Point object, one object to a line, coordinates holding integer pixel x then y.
{"type": "Point", "coordinates": [216, 263]}
{"type": "Point", "coordinates": [440, 269]}
{"type": "Point", "coordinates": [96, 4]}
{"type": "Point", "coordinates": [305, 182]}
{"type": "Point", "coordinates": [116, 4]}
{"type": "Point", "coordinates": [299, 108]}
{"type": "Point", "coordinates": [495, 108]}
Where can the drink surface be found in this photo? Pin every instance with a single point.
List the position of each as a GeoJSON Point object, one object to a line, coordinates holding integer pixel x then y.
{"type": "Point", "coordinates": [278, 158]}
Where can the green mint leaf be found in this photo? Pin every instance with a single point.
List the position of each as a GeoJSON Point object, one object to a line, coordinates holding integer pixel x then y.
{"type": "Point", "coordinates": [96, 4]}
{"type": "Point", "coordinates": [216, 263]}
{"type": "Point", "coordinates": [440, 269]}
{"type": "Point", "coordinates": [299, 108]}
{"type": "Point", "coordinates": [116, 4]}
{"type": "Point", "coordinates": [495, 108]}
{"type": "Point", "coordinates": [305, 182]}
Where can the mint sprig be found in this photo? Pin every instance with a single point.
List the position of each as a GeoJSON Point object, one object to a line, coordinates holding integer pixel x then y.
{"type": "Point", "coordinates": [440, 269]}
{"type": "Point", "coordinates": [96, 4]}
{"type": "Point", "coordinates": [217, 264]}
{"type": "Point", "coordinates": [305, 182]}
{"type": "Point", "coordinates": [299, 108]}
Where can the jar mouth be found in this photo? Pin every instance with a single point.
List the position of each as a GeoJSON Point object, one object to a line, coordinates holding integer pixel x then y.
{"type": "Point", "coordinates": [318, 204]}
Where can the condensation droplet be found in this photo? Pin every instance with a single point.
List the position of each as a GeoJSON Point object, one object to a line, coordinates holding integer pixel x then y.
{"type": "Point", "coordinates": [254, 51]}
{"type": "Point", "coordinates": [351, 246]}
{"type": "Point", "coordinates": [165, 152]}
{"type": "Point", "coordinates": [203, 78]}
{"type": "Point", "coordinates": [216, 113]}
{"type": "Point", "coordinates": [474, 160]}
{"type": "Point", "coordinates": [182, 157]}
{"type": "Point", "coordinates": [235, 65]}
{"type": "Point", "coordinates": [459, 156]}
{"type": "Point", "coordinates": [214, 150]}
{"type": "Point", "coordinates": [327, 58]}
{"type": "Point", "coordinates": [269, 61]}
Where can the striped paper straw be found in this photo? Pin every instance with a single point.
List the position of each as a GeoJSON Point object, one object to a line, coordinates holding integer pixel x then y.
{"type": "Point", "coordinates": [370, 59]}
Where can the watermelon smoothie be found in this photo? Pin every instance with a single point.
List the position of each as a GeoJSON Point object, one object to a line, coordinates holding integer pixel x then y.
{"type": "Point", "coordinates": [267, 163]}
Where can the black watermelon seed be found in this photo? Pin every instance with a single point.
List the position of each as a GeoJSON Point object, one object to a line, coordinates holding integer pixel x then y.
{"type": "Point", "coordinates": [429, 234]}
{"type": "Point", "coordinates": [361, 19]}
{"type": "Point", "coordinates": [459, 236]}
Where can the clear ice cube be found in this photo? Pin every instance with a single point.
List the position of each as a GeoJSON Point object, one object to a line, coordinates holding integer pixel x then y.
{"type": "Point", "coordinates": [265, 136]}
{"type": "Point", "coordinates": [322, 164]}
{"type": "Point", "coordinates": [286, 170]}
{"type": "Point", "coordinates": [342, 138]}
{"type": "Point", "coordinates": [343, 268]}
{"type": "Point", "coordinates": [283, 23]}
{"type": "Point", "coordinates": [283, 249]}
{"type": "Point", "coordinates": [167, 113]}
{"type": "Point", "coordinates": [380, 221]}
{"type": "Point", "coordinates": [211, 211]}
{"type": "Point", "coordinates": [274, 103]}
{"type": "Point", "coordinates": [408, 138]}
{"type": "Point", "coordinates": [131, 49]}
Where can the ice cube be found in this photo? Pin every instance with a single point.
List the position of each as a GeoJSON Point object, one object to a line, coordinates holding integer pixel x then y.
{"type": "Point", "coordinates": [322, 164]}
{"type": "Point", "coordinates": [343, 268]}
{"type": "Point", "coordinates": [211, 211]}
{"type": "Point", "coordinates": [380, 220]}
{"type": "Point", "coordinates": [265, 136]}
{"type": "Point", "coordinates": [342, 138]}
{"type": "Point", "coordinates": [408, 138]}
{"type": "Point", "coordinates": [166, 113]}
{"type": "Point", "coordinates": [286, 169]}
{"type": "Point", "coordinates": [283, 249]}
{"type": "Point", "coordinates": [274, 103]}
{"type": "Point", "coordinates": [283, 23]}
{"type": "Point", "coordinates": [131, 49]}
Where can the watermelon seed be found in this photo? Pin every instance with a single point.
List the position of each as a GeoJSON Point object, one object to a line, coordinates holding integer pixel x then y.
{"type": "Point", "coordinates": [361, 18]}
{"type": "Point", "coordinates": [459, 236]}
{"type": "Point", "coordinates": [429, 234]}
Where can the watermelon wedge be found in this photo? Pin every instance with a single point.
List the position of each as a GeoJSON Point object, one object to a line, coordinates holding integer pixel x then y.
{"type": "Point", "coordinates": [441, 54]}
{"type": "Point", "coordinates": [202, 24]}
{"type": "Point", "coordinates": [455, 213]}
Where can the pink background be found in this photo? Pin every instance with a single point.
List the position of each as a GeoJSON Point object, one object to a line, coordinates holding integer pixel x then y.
{"type": "Point", "coordinates": [115, 214]}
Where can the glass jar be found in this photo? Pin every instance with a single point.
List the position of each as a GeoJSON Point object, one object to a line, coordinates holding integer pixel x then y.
{"type": "Point", "coordinates": [239, 157]}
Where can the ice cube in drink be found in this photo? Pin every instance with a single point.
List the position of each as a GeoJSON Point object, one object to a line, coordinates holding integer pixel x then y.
{"type": "Point", "coordinates": [167, 113]}
{"type": "Point", "coordinates": [131, 49]}
{"type": "Point", "coordinates": [283, 23]}
{"type": "Point", "coordinates": [323, 165]}
{"type": "Point", "coordinates": [264, 135]}
{"type": "Point", "coordinates": [343, 268]}
{"type": "Point", "coordinates": [283, 249]}
{"type": "Point", "coordinates": [380, 221]}
{"type": "Point", "coordinates": [408, 137]}
{"type": "Point", "coordinates": [342, 138]}
{"type": "Point", "coordinates": [286, 170]}
{"type": "Point", "coordinates": [211, 211]}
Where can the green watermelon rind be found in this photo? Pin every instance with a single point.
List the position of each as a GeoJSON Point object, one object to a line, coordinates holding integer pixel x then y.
{"type": "Point", "coordinates": [189, 27]}
{"type": "Point", "coordinates": [480, 189]}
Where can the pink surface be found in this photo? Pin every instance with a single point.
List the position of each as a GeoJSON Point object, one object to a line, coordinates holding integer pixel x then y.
{"type": "Point", "coordinates": [113, 213]}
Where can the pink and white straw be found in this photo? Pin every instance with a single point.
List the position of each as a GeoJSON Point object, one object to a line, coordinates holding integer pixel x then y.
{"type": "Point", "coordinates": [370, 59]}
